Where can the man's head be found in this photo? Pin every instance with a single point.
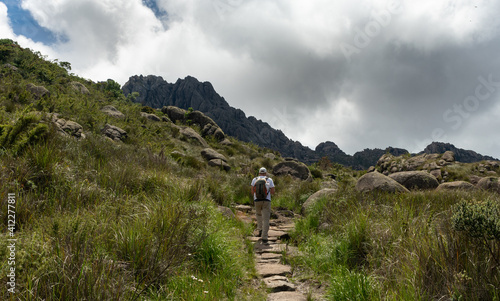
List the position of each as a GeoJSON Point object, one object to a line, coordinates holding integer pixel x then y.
{"type": "Point", "coordinates": [262, 171]}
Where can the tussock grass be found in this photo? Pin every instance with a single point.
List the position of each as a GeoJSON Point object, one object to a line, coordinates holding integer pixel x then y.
{"type": "Point", "coordinates": [396, 247]}
{"type": "Point", "coordinates": [104, 220]}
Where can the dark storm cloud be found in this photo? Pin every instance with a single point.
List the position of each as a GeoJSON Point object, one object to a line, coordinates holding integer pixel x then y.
{"type": "Point", "coordinates": [363, 74]}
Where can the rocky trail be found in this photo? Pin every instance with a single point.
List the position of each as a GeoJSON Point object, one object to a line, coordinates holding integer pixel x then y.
{"type": "Point", "coordinates": [276, 275]}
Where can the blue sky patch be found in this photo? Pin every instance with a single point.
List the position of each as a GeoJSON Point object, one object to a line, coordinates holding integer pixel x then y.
{"type": "Point", "coordinates": [22, 23]}
{"type": "Point", "coordinates": [161, 14]}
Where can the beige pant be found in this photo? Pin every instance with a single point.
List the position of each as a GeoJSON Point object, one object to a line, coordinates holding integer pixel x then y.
{"type": "Point", "coordinates": [263, 213]}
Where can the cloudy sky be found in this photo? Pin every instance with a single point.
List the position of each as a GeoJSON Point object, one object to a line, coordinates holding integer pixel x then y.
{"type": "Point", "coordinates": [362, 74]}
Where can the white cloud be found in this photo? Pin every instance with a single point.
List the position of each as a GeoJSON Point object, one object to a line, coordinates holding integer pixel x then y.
{"type": "Point", "coordinates": [416, 58]}
{"type": "Point", "coordinates": [5, 28]}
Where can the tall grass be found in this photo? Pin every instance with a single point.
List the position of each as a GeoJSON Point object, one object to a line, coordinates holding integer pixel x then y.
{"type": "Point", "coordinates": [396, 247]}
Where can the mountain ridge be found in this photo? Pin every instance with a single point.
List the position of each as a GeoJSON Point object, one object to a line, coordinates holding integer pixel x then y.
{"type": "Point", "coordinates": [187, 93]}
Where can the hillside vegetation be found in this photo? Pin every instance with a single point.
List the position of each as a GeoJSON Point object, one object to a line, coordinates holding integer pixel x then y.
{"type": "Point", "coordinates": [139, 217]}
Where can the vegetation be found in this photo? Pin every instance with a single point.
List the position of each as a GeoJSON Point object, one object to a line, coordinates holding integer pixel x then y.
{"type": "Point", "coordinates": [104, 220]}
{"type": "Point", "coordinates": [416, 246]}
{"type": "Point", "coordinates": [97, 219]}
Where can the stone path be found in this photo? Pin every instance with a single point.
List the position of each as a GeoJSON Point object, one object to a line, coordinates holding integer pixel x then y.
{"type": "Point", "coordinates": [269, 262]}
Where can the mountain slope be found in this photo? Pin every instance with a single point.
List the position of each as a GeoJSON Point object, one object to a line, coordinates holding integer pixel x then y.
{"type": "Point", "coordinates": [189, 92]}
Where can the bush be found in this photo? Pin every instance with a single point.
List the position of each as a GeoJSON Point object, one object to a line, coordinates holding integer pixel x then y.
{"type": "Point", "coordinates": [316, 173]}
{"type": "Point", "coordinates": [477, 219]}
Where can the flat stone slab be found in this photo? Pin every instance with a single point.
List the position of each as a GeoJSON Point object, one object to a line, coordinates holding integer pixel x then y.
{"type": "Point", "coordinates": [286, 227]}
{"type": "Point", "coordinates": [279, 284]}
{"type": "Point", "coordinates": [269, 256]}
{"type": "Point", "coordinates": [273, 269]}
{"type": "Point", "coordinates": [274, 233]}
{"type": "Point", "coordinates": [243, 208]}
{"type": "Point", "coordinates": [286, 296]}
{"type": "Point", "coordinates": [256, 239]}
{"type": "Point", "coordinates": [269, 248]}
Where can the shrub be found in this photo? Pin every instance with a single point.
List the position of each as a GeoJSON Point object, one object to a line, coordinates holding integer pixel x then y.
{"type": "Point", "coordinates": [316, 173]}
{"type": "Point", "coordinates": [147, 109]}
{"type": "Point", "coordinates": [477, 219]}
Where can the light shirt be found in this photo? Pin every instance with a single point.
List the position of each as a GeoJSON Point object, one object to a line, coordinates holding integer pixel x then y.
{"type": "Point", "coordinates": [269, 185]}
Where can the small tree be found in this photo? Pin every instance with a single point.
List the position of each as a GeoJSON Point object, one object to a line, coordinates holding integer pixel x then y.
{"type": "Point", "coordinates": [324, 163]}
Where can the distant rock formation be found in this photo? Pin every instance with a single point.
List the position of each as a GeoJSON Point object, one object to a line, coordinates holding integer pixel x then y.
{"type": "Point", "coordinates": [187, 93]}
{"type": "Point", "coordinates": [461, 155]}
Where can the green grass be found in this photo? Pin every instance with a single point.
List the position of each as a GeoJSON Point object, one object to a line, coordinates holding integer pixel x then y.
{"type": "Point", "coordinates": [396, 247]}
{"type": "Point", "coordinates": [101, 220]}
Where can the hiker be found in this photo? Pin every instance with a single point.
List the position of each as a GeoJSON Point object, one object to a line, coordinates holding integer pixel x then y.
{"type": "Point", "coordinates": [262, 189]}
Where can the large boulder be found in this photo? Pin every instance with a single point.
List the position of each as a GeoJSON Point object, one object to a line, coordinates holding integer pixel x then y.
{"type": "Point", "coordinates": [219, 163]}
{"type": "Point", "coordinates": [415, 179]}
{"type": "Point", "coordinates": [114, 133]}
{"type": "Point", "coordinates": [448, 156]}
{"type": "Point", "coordinates": [314, 198]}
{"type": "Point", "coordinates": [490, 184]}
{"type": "Point", "coordinates": [112, 111]}
{"type": "Point", "coordinates": [293, 168]}
{"type": "Point", "coordinates": [174, 113]}
{"type": "Point", "coordinates": [192, 135]}
{"type": "Point", "coordinates": [149, 116]}
{"type": "Point", "coordinates": [79, 87]}
{"type": "Point", "coordinates": [37, 91]}
{"type": "Point", "coordinates": [375, 181]}
{"type": "Point", "coordinates": [215, 159]}
{"type": "Point", "coordinates": [456, 185]}
{"type": "Point", "coordinates": [210, 154]}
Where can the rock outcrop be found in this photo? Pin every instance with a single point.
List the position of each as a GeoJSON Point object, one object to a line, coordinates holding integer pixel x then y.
{"type": "Point", "coordinates": [206, 124]}
{"type": "Point", "coordinates": [210, 154]}
{"type": "Point", "coordinates": [79, 87]}
{"type": "Point", "coordinates": [112, 111]}
{"type": "Point", "coordinates": [68, 127]}
{"type": "Point", "coordinates": [461, 155]}
{"type": "Point", "coordinates": [215, 159]}
{"type": "Point", "coordinates": [191, 135]}
{"type": "Point", "coordinates": [151, 117]}
{"type": "Point", "coordinates": [114, 133]}
{"type": "Point", "coordinates": [37, 91]}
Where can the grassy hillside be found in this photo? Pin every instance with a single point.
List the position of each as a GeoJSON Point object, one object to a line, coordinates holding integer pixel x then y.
{"type": "Point", "coordinates": [97, 219]}
{"type": "Point", "coordinates": [138, 219]}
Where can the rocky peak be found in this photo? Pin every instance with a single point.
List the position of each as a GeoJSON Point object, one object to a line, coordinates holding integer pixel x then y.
{"type": "Point", "coordinates": [461, 155]}
{"type": "Point", "coordinates": [330, 148]}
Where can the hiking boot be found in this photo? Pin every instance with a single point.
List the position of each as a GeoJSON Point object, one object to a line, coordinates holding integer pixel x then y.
{"type": "Point", "coordinates": [264, 241]}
